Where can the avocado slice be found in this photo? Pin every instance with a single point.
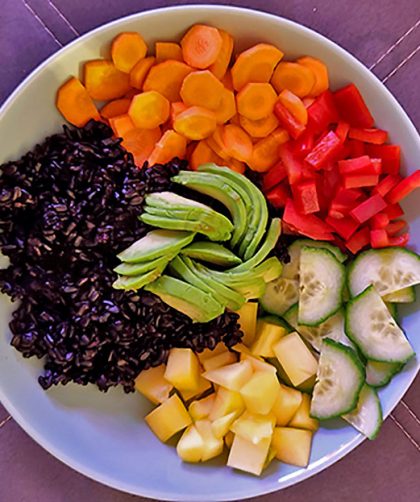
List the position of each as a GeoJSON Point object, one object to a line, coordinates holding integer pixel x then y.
{"type": "Point", "coordinates": [211, 252]}
{"type": "Point", "coordinates": [132, 269]}
{"type": "Point", "coordinates": [190, 300]}
{"type": "Point", "coordinates": [155, 244]}
{"type": "Point", "coordinates": [137, 281]}
{"type": "Point", "coordinates": [167, 200]}
{"type": "Point", "coordinates": [270, 269]}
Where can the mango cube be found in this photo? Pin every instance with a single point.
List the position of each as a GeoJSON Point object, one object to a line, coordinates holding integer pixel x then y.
{"type": "Point", "coordinates": [268, 335]}
{"type": "Point", "coordinates": [219, 360]}
{"type": "Point", "coordinates": [203, 386]}
{"type": "Point", "coordinates": [232, 376]}
{"type": "Point", "coordinates": [247, 456]}
{"type": "Point", "coordinates": [207, 353]}
{"type": "Point", "coordinates": [190, 445]}
{"type": "Point", "coordinates": [295, 358]}
{"type": "Point", "coordinates": [183, 369]}
{"type": "Point", "coordinates": [302, 419]}
{"type": "Point", "coordinates": [241, 349]}
{"type": "Point", "coordinates": [212, 446]}
{"type": "Point", "coordinates": [226, 401]}
{"type": "Point", "coordinates": [271, 455]}
{"type": "Point", "coordinates": [292, 446]}
{"type": "Point", "coordinates": [253, 427]}
{"type": "Point", "coordinates": [229, 439]}
{"type": "Point", "coordinates": [152, 384]}
{"type": "Point", "coordinates": [258, 364]}
{"type": "Point", "coordinates": [221, 426]}
{"type": "Point", "coordinates": [248, 321]}
{"type": "Point", "coordinates": [168, 418]}
{"type": "Point", "coordinates": [286, 405]}
{"type": "Point", "coordinates": [260, 392]}
{"type": "Point", "coordinates": [201, 408]}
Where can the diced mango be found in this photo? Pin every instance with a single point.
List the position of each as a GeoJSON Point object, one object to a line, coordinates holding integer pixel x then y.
{"type": "Point", "coordinates": [203, 386]}
{"type": "Point", "coordinates": [226, 401]}
{"type": "Point", "coordinates": [271, 455]}
{"type": "Point", "coordinates": [201, 408]}
{"type": "Point", "coordinates": [267, 336]}
{"type": "Point", "coordinates": [221, 426]}
{"type": "Point", "coordinates": [232, 376]}
{"type": "Point", "coordinates": [212, 446]}
{"type": "Point", "coordinates": [248, 321]}
{"type": "Point", "coordinates": [168, 418]}
{"type": "Point", "coordinates": [219, 360]}
{"type": "Point", "coordinates": [292, 446]}
{"type": "Point", "coordinates": [241, 349]}
{"type": "Point", "coordinates": [260, 392]}
{"type": "Point", "coordinates": [258, 364]}
{"type": "Point", "coordinates": [229, 439]}
{"type": "Point", "coordinates": [247, 456]}
{"type": "Point", "coordinates": [207, 353]}
{"type": "Point", "coordinates": [152, 384]}
{"type": "Point", "coordinates": [286, 405]}
{"type": "Point", "coordinates": [183, 369]}
{"type": "Point", "coordinates": [190, 445]}
{"type": "Point", "coordinates": [296, 359]}
{"type": "Point", "coordinates": [253, 427]}
{"type": "Point", "coordinates": [302, 419]}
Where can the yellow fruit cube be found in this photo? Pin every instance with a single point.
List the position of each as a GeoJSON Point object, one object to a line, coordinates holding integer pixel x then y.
{"type": "Point", "coordinates": [229, 439]}
{"type": "Point", "coordinates": [221, 426]}
{"type": "Point", "coordinates": [168, 418]}
{"type": "Point", "coordinates": [258, 364]}
{"type": "Point", "coordinates": [286, 405]}
{"type": "Point", "coordinates": [271, 455]}
{"type": "Point", "coordinates": [241, 349]}
{"type": "Point", "coordinates": [253, 427]}
{"type": "Point", "coordinates": [248, 321]}
{"type": "Point", "coordinates": [190, 445]}
{"type": "Point", "coordinates": [295, 358]}
{"type": "Point", "coordinates": [302, 419]}
{"type": "Point", "coordinates": [201, 409]}
{"type": "Point", "coordinates": [260, 392]}
{"type": "Point", "coordinates": [212, 446]}
{"type": "Point", "coordinates": [232, 376]}
{"type": "Point", "coordinates": [226, 401]}
{"type": "Point", "coordinates": [152, 384]}
{"type": "Point", "coordinates": [219, 360]}
{"type": "Point", "coordinates": [292, 446]}
{"type": "Point", "coordinates": [203, 386]}
{"type": "Point", "coordinates": [183, 369]}
{"type": "Point", "coordinates": [247, 456]}
{"type": "Point", "coordinates": [267, 336]}
{"type": "Point", "coordinates": [207, 353]}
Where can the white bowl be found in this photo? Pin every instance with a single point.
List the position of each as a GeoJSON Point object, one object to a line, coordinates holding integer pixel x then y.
{"type": "Point", "coordinates": [103, 435]}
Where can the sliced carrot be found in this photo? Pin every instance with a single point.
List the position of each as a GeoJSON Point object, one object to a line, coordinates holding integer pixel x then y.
{"type": "Point", "coordinates": [294, 105]}
{"type": "Point", "coordinates": [104, 81]}
{"type": "Point", "coordinates": [227, 80]}
{"type": "Point", "coordinates": [202, 88]}
{"type": "Point", "coordinates": [202, 154]}
{"type": "Point", "coordinates": [308, 102]}
{"type": "Point", "coordinates": [297, 78]}
{"type": "Point", "coordinates": [266, 151]}
{"type": "Point", "coordinates": [168, 50]}
{"type": "Point", "coordinates": [227, 107]}
{"type": "Point", "coordinates": [236, 119]}
{"type": "Point", "coordinates": [259, 128]}
{"type": "Point", "coordinates": [320, 71]}
{"type": "Point", "coordinates": [216, 143]}
{"type": "Point", "coordinates": [176, 108]}
{"type": "Point", "coordinates": [170, 145]}
{"type": "Point", "coordinates": [140, 143]}
{"type": "Point", "coordinates": [195, 123]}
{"type": "Point", "coordinates": [127, 49]}
{"type": "Point", "coordinates": [256, 100]}
{"type": "Point", "coordinates": [255, 65]}
{"type": "Point", "coordinates": [121, 125]}
{"type": "Point", "coordinates": [139, 73]}
{"type": "Point", "coordinates": [220, 66]}
{"type": "Point", "coordinates": [167, 78]}
{"type": "Point", "coordinates": [201, 46]}
{"type": "Point", "coordinates": [115, 108]}
{"type": "Point", "coordinates": [149, 110]}
{"type": "Point", "coordinates": [238, 143]}
{"type": "Point", "coordinates": [236, 165]}
{"type": "Point", "coordinates": [75, 104]}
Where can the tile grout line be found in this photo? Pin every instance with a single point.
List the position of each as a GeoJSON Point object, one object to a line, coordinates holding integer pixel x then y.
{"type": "Point", "coordinates": [403, 62]}
{"type": "Point", "coordinates": [4, 422]}
{"type": "Point", "coordinates": [411, 412]}
{"type": "Point", "coordinates": [404, 431]}
{"type": "Point", "coordinates": [63, 17]}
{"type": "Point", "coordinates": [41, 22]}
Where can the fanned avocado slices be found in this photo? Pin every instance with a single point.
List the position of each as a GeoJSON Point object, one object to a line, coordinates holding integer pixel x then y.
{"type": "Point", "coordinates": [132, 269]}
{"type": "Point", "coordinates": [137, 281]}
{"type": "Point", "coordinates": [211, 252]}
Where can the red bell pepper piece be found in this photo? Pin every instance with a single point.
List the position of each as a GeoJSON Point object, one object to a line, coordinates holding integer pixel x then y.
{"type": "Point", "coordinates": [395, 227]}
{"type": "Point", "coordinates": [359, 240]}
{"type": "Point", "coordinates": [293, 165]}
{"type": "Point", "coordinates": [306, 224]}
{"type": "Point", "coordinates": [357, 148]}
{"type": "Point", "coordinates": [375, 136]}
{"type": "Point", "coordinates": [342, 130]}
{"type": "Point", "coordinates": [387, 184]}
{"type": "Point", "coordinates": [400, 240]}
{"type": "Point", "coordinates": [360, 180]}
{"type": "Point", "coordinates": [322, 112]}
{"type": "Point", "coordinates": [324, 151]}
{"type": "Point", "coordinates": [379, 238]}
{"type": "Point", "coordinates": [331, 181]}
{"type": "Point", "coordinates": [345, 227]}
{"type": "Point", "coordinates": [304, 143]}
{"type": "Point", "coordinates": [352, 107]}
{"type": "Point", "coordinates": [390, 155]}
{"type": "Point", "coordinates": [380, 220]}
{"type": "Point", "coordinates": [359, 165]}
{"type": "Point", "coordinates": [279, 195]}
{"type": "Point", "coordinates": [343, 202]}
{"type": "Point", "coordinates": [306, 197]}
{"type": "Point", "coordinates": [288, 121]}
{"type": "Point", "coordinates": [368, 208]}
{"type": "Point", "coordinates": [404, 187]}
{"type": "Point", "coordinates": [274, 176]}
{"type": "Point", "coordinates": [394, 211]}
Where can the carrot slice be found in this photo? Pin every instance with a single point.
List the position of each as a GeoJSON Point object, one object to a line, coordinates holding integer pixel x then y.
{"type": "Point", "coordinates": [167, 78]}
{"type": "Point", "coordinates": [170, 145]}
{"type": "Point", "coordinates": [139, 73]}
{"type": "Point", "coordinates": [201, 45]}
{"type": "Point", "coordinates": [236, 119]}
{"type": "Point", "coordinates": [104, 81]}
{"type": "Point", "coordinates": [227, 107]}
{"type": "Point", "coordinates": [297, 78]}
{"type": "Point", "coordinates": [256, 100]}
{"type": "Point", "coordinates": [266, 151]}
{"type": "Point", "coordinates": [294, 105]}
{"type": "Point", "coordinates": [176, 108]}
{"type": "Point", "coordinates": [236, 165]}
{"type": "Point", "coordinates": [227, 80]}
{"type": "Point", "coordinates": [131, 93]}
{"type": "Point", "coordinates": [202, 154]}
{"type": "Point", "coordinates": [308, 102]}
{"type": "Point", "coordinates": [220, 66]}
{"type": "Point", "coordinates": [127, 49]}
{"type": "Point", "coordinates": [149, 110]}
{"type": "Point", "coordinates": [216, 143]}
{"type": "Point", "coordinates": [121, 125]}
{"type": "Point", "coordinates": [140, 143]}
{"type": "Point", "coordinates": [202, 88]}
{"type": "Point", "coordinates": [115, 108]}
{"type": "Point", "coordinates": [259, 128]}
{"type": "Point", "coordinates": [238, 143]}
{"type": "Point", "coordinates": [195, 123]}
{"type": "Point", "coordinates": [75, 104]}
{"type": "Point", "coordinates": [255, 65]}
{"type": "Point", "coordinates": [320, 71]}
{"type": "Point", "coordinates": [168, 50]}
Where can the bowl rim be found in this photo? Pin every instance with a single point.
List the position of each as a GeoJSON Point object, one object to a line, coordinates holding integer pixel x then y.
{"type": "Point", "coordinates": [90, 472]}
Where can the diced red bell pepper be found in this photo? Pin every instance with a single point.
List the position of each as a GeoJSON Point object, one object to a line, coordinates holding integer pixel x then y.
{"type": "Point", "coordinates": [359, 240]}
{"type": "Point", "coordinates": [395, 227]}
{"type": "Point", "coordinates": [380, 220]}
{"type": "Point", "coordinates": [360, 180]}
{"type": "Point", "coordinates": [342, 130]}
{"type": "Point", "coordinates": [343, 202]}
{"type": "Point", "coordinates": [342, 154]}
{"type": "Point", "coordinates": [322, 112]}
{"type": "Point", "coordinates": [387, 184]}
{"type": "Point", "coordinates": [304, 143]}
{"type": "Point", "coordinates": [292, 164]}
{"type": "Point", "coordinates": [274, 176]}
{"type": "Point", "coordinates": [375, 136]}
{"type": "Point", "coordinates": [404, 187]}
{"type": "Point", "coordinates": [288, 121]}
{"type": "Point", "coordinates": [306, 197]}
{"type": "Point", "coordinates": [345, 227]}
{"type": "Point", "coordinates": [368, 208]}
{"type": "Point", "coordinates": [390, 155]}
{"type": "Point", "coordinates": [279, 195]}
{"type": "Point", "coordinates": [394, 211]}
{"type": "Point", "coordinates": [331, 181]}
{"type": "Point", "coordinates": [400, 240]}
{"type": "Point", "coordinates": [306, 224]}
{"type": "Point", "coordinates": [324, 151]}
{"type": "Point", "coordinates": [379, 238]}
{"type": "Point", "coordinates": [352, 107]}
{"type": "Point", "coordinates": [358, 165]}
{"type": "Point", "coordinates": [357, 148]}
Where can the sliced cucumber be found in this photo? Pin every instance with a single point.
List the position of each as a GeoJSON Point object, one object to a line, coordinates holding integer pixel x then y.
{"type": "Point", "coordinates": [372, 328]}
{"type": "Point", "coordinates": [321, 283]}
{"type": "Point", "coordinates": [273, 319]}
{"type": "Point", "coordinates": [405, 295]}
{"type": "Point", "coordinates": [389, 270]}
{"type": "Point", "coordinates": [393, 310]}
{"type": "Point", "coordinates": [380, 374]}
{"type": "Point", "coordinates": [280, 295]}
{"type": "Point", "coordinates": [339, 380]}
{"type": "Point", "coordinates": [367, 417]}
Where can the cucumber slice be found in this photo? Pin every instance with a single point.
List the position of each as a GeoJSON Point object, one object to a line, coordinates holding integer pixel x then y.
{"type": "Point", "coordinates": [373, 329]}
{"type": "Point", "coordinates": [367, 417]}
{"type": "Point", "coordinates": [279, 296]}
{"type": "Point", "coordinates": [393, 310]}
{"type": "Point", "coordinates": [405, 295]}
{"type": "Point", "coordinates": [332, 328]}
{"type": "Point", "coordinates": [380, 374]}
{"type": "Point", "coordinates": [278, 321]}
{"type": "Point", "coordinates": [322, 280]}
{"type": "Point", "coordinates": [389, 270]}
{"type": "Point", "coordinates": [339, 379]}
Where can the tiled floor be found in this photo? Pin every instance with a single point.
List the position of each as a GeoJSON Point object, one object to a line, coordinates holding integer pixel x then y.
{"type": "Point", "coordinates": [386, 40]}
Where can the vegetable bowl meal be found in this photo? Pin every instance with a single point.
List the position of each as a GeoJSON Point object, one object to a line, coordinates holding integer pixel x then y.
{"type": "Point", "coordinates": [221, 232]}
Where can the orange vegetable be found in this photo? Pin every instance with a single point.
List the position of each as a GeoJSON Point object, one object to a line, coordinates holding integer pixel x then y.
{"type": "Point", "coordinates": [170, 145]}
{"type": "Point", "coordinates": [216, 143]}
{"type": "Point", "coordinates": [168, 50]}
{"type": "Point", "coordinates": [227, 80]}
{"type": "Point", "coordinates": [320, 72]}
{"type": "Point", "coordinates": [227, 107]}
{"type": "Point", "coordinates": [238, 143]}
{"type": "Point", "coordinates": [220, 66]}
{"type": "Point", "coordinates": [177, 108]}
{"type": "Point", "coordinates": [127, 49]}
{"type": "Point", "coordinates": [202, 154]}
{"type": "Point", "coordinates": [294, 105]}
{"type": "Point", "coordinates": [121, 125]}
{"type": "Point", "coordinates": [167, 78]}
{"type": "Point", "coordinates": [75, 104]}
{"type": "Point", "coordinates": [195, 123]}
{"type": "Point", "coordinates": [236, 119]}
{"type": "Point", "coordinates": [141, 142]}
{"type": "Point", "coordinates": [201, 45]}
{"type": "Point", "coordinates": [139, 73]}
{"type": "Point", "coordinates": [202, 88]}
{"type": "Point", "coordinates": [149, 110]}
{"type": "Point", "coordinates": [308, 101]}
{"type": "Point", "coordinates": [256, 100]}
{"type": "Point", "coordinates": [259, 128]}
{"type": "Point", "coordinates": [297, 78]}
{"type": "Point", "coordinates": [255, 65]}
{"type": "Point", "coordinates": [236, 165]}
{"type": "Point", "coordinates": [104, 81]}
{"type": "Point", "coordinates": [115, 108]}
{"type": "Point", "coordinates": [266, 151]}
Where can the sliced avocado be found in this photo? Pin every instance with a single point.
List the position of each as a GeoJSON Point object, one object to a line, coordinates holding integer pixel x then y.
{"type": "Point", "coordinates": [132, 269]}
{"type": "Point", "coordinates": [253, 289]}
{"type": "Point", "coordinates": [191, 301]}
{"type": "Point", "coordinates": [137, 281]}
{"type": "Point", "coordinates": [211, 252]}
{"type": "Point", "coordinates": [168, 200]}
{"type": "Point", "coordinates": [155, 244]}
{"type": "Point", "coordinates": [270, 269]}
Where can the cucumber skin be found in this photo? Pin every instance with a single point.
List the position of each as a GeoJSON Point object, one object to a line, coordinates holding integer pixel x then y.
{"type": "Point", "coordinates": [388, 377]}
{"type": "Point", "coordinates": [337, 253]}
